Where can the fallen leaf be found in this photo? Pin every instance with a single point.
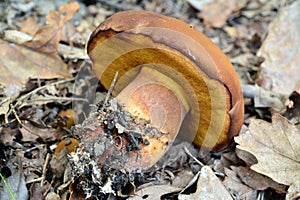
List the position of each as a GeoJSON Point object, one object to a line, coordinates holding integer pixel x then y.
{"type": "Point", "coordinates": [176, 156]}
{"type": "Point", "coordinates": [267, 98]}
{"type": "Point", "coordinates": [33, 165]}
{"type": "Point", "coordinates": [29, 25]}
{"type": "Point", "coordinates": [182, 178]}
{"type": "Point", "coordinates": [18, 63]}
{"type": "Point", "coordinates": [234, 184]}
{"type": "Point", "coordinates": [153, 192]}
{"type": "Point", "coordinates": [247, 157]}
{"type": "Point", "coordinates": [227, 159]}
{"type": "Point", "coordinates": [16, 182]}
{"type": "Point", "coordinates": [256, 180]}
{"type": "Point", "coordinates": [276, 146]}
{"type": "Point", "coordinates": [30, 133]}
{"type": "Point", "coordinates": [8, 135]}
{"type": "Point", "coordinates": [280, 70]}
{"type": "Point", "coordinates": [11, 93]}
{"type": "Point", "coordinates": [47, 37]}
{"type": "Point", "coordinates": [293, 191]}
{"type": "Point", "coordinates": [37, 190]}
{"type": "Point", "coordinates": [217, 12]}
{"type": "Point", "coordinates": [70, 35]}
{"type": "Point", "coordinates": [208, 187]}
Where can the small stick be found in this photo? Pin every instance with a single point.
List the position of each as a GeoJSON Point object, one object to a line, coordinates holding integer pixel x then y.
{"type": "Point", "coordinates": [189, 153]}
{"type": "Point", "coordinates": [110, 90]}
{"type": "Point", "coordinates": [45, 169]}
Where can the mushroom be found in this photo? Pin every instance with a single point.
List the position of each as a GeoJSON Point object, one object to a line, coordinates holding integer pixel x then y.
{"type": "Point", "coordinates": [169, 74]}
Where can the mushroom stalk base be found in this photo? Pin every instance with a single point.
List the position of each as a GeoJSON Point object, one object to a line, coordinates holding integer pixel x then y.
{"type": "Point", "coordinates": [155, 97]}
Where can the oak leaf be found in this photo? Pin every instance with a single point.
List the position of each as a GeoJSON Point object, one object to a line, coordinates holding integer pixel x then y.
{"type": "Point", "coordinates": [276, 147]}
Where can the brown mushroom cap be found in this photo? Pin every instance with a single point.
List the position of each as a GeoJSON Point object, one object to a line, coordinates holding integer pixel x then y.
{"type": "Point", "coordinates": [137, 38]}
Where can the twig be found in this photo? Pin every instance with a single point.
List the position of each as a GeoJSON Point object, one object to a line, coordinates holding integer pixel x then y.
{"type": "Point", "coordinates": [50, 186]}
{"type": "Point", "coordinates": [45, 169]}
{"type": "Point", "coordinates": [23, 125]}
{"type": "Point", "coordinates": [62, 49]}
{"type": "Point", "coordinates": [35, 180]}
{"type": "Point", "coordinates": [110, 90]}
{"type": "Point", "coordinates": [189, 153]}
{"type": "Point", "coordinates": [26, 96]}
{"type": "Point", "coordinates": [54, 98]}
{"type": "Point", "coordinates": [15, 113]}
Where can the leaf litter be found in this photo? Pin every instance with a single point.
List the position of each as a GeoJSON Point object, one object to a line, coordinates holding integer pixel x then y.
{"type": "Point", "coordinates": [244, 175]}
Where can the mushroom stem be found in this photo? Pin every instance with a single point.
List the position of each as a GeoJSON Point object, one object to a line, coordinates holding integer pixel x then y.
{"type": "Point", "coordinates": [154, 96]}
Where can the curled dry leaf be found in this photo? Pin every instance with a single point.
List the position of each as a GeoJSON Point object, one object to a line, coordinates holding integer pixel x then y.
{"type": "Point", "coordinates": [276, 147]}
{"type": "Point", "coordinates": [47, 37]}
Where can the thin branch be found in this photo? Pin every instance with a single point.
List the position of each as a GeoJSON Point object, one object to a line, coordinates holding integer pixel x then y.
{"type": "Point", "coordinates": [110, 90]}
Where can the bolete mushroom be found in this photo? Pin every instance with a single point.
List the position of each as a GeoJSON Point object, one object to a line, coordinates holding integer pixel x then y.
{"type": "Point", "coordinates": [170, 74]}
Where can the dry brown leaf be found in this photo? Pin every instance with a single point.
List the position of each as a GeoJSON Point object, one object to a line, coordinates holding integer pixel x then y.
{"type": "Point", "coordinates": [256, 180]}
{"type": "Point", "coordinates": [18, 63]}
{"type": "Point", "coordinates": [216, 13]}
{"type": "Point", "coordinates": [234, 184]}
{"type": "Point", "coordinates": [37, 190]}
{"type": "Point", "coordinates": [153, 192]}
{"type": "Point", "coordinates": [29, 25]}
{"type": "Point", "coordinates": [280, 70]}
{"type": "Point", "coordinates": [182, 178]}
{"type": "Point", "coordinates": [208, 187]}
{"type": "Point", "coordinates": [276, 147]}
{"type": "Point", "coordinates": [30, 133]}
{"type": "Point", "coordinates": [47, 37]}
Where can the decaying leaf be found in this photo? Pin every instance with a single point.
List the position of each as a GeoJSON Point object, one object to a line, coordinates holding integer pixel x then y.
{"type": "Point", "coordinates": [276, 147]}
{"type": "Point", "coordinates": [40, 59]}
{"type": "Point", "coordinates": [256, 180]}
{"type": "Point", "coordinates": [16, 182]}
{"type": "Point", "coordinates": [217, 12]}
{"type": "Point", "coordinates": [208, 187]}
{"type": "Point", "coordinates": [234, 184]}
{"type": "Point", "coordinates": [267, 98]}
{"type": "Point", "coordinates": [30, 133]}
{"type": "Point", "coordinates": [47, 37]}
{"type": "Point", "coordinates": [29, 25]}
{"type": "Point", "coordinates": [153, 192]}
{"type": "Point", "coordinates": [37, 190]}
{"type": "Point", "coordinates": [18, 63]}
{"type": "Point", "coordinates": [280, 70]}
